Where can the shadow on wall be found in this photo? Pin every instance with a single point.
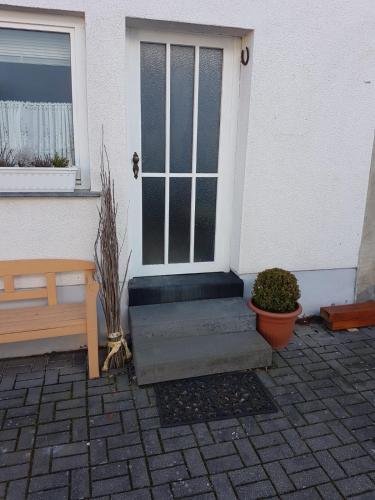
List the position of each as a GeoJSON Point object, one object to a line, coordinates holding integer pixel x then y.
{"type": "Point", "coordinates": [365, 287]}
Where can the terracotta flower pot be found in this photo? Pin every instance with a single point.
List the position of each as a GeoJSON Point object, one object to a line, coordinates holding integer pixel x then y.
{"type": "Point", "coordinates": [276, 328]}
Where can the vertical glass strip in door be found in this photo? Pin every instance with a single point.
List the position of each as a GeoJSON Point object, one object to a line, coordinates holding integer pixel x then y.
{"type": "Point", "coordinates": [179, 219]}
{"type": "Point", "coordinates": [209, 103]}
{"type": "Point", "coordinates": [205, 219]}
{"type": "Point", "coordinates": [153, 218]}
{"type": "Point", "coordinates": [180, 125]}
{"type": "Point", "coordinates": [153, 119]}
{"type": "Point", "coordinates": [153, 75]}
{"type": "Point", "coordinates": [181, 108]}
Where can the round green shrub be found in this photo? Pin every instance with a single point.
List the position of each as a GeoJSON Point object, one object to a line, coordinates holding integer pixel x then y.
{"type": "Point", "coordinates": [276, 290]}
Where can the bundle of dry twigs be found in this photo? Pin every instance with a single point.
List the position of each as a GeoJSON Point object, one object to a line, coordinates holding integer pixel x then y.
{"type": "Point", "coordinates": [107, 254]}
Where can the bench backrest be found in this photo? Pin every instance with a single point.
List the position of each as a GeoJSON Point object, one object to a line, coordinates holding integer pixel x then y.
{"type": "Point", "coordinates": [9, 269]}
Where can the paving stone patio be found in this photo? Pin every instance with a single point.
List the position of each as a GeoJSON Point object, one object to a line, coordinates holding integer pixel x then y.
{"type": "Point", "coordinates": [63, 436]}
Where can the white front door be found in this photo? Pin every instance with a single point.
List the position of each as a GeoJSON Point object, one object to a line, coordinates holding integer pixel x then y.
{"type": "Point", "coordinates": [182, 118]}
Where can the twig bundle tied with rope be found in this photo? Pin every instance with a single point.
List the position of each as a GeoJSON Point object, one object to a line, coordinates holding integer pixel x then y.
{"type": "Point", "coordinates": [107, 253]}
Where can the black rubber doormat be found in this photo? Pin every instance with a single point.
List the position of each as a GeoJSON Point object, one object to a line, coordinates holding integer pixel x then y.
{"type": "Point", "coordinates": [212, 397]}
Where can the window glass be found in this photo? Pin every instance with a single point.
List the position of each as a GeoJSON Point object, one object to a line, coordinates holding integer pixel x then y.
{"type": "Point", "coordinates": [153, 79]}
{"type": "Point", "coordinates": [205, 219]}
{"type": "Point", "coordinates": [179, 219]}
{"type": "Point", "coordinates": [153, 210]}
{"type": "Point", "coordinates": [182, 97]}
{"type": "Point", "coordinates": [36, 111]}
{"type": "Point", "coordinates": [209, 103]}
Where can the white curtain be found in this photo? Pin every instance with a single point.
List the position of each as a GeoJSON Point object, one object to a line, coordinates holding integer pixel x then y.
{"type": "Point", "coordinates": [39, 128]}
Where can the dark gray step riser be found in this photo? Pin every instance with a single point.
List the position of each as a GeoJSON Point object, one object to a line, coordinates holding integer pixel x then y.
{"type": "Point", "coordinates": [189, 339]}
{"type": "Point", "coordinates": [162, 373]}
{"type": "Point", "coordinates": [157, 360]}
{"type": "Point", "coordinates": [181, 288]}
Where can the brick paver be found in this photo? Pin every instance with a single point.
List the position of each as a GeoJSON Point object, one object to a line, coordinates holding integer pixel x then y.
{"type": "Point", "coordinates": [62, 436]}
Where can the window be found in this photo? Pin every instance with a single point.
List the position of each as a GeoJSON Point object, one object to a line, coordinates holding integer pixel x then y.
{"type": "Point", "coordinates": [42, 92]}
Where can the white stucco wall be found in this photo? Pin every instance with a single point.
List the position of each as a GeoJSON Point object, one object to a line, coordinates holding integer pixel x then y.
{"type": "Point", "coordinates": [306, 153]}
{"type": "Point", "coordinates": [47, 228]}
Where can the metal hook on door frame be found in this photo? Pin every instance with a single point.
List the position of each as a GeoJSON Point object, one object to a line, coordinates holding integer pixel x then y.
{"type": "Point", "coordinates": [244, 60]}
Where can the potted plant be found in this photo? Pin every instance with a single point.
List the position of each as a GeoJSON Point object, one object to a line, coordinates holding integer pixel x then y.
{"type": "Point", "coordinates": [24, 173]}
{"type": "Point", "coordinates": [274, 299]}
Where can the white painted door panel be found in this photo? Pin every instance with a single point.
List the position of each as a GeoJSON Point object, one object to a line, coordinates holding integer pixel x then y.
{"type": "Point", "coordinates": [182, 111]}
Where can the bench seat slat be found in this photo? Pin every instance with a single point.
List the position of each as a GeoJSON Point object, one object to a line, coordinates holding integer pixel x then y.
{"type": "Point", "coordinates": [43, 334]}
{"type": "Point", "coordinates": [42, 318]}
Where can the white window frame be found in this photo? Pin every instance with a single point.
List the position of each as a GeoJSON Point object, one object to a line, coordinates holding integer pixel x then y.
{"type": "Point", "coordinates": [75, 27]}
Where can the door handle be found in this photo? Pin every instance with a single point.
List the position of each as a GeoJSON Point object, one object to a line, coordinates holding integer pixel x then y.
{"type": "Point", "coordinates": [135, 165]}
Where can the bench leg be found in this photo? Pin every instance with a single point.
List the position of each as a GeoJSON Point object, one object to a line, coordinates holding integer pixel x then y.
{"type": "Point", "coordinates": [92, 328]}
{"type": "Point", "coordinates": [92, 342]}
{"type": "Point", "coordinates": [93, 354]}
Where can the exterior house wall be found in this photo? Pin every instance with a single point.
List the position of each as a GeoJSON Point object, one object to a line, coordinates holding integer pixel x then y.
{"type": "Point", "coordinates": [365, 285]}
{"type": "Point", "coordinates": [305, 136]}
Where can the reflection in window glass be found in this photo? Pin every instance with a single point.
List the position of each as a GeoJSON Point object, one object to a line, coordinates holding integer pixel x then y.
{"type": "Point", "coordinates": [36, 115]}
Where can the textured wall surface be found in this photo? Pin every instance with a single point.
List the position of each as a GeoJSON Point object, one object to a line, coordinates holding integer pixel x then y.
{"type": "Point", "coordinates": [306, 153]}
{"type": "Point", "coordinates": [47, 228]}
{"type": "Point", "coordinates": [310, 137]}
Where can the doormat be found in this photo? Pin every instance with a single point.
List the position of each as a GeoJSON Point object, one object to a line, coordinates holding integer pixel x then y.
{"type": "Point", "coordinates": [212, 397]}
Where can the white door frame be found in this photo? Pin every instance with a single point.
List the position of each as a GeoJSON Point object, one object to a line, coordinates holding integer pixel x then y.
{"type": "Point", "coordinates": [226, 165]}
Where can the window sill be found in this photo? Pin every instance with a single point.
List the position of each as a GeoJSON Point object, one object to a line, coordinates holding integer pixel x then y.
{"type": "Point", "coordinates": [79, 193]}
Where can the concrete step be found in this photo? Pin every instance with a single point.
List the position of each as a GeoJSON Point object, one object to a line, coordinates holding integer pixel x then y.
{"type": "Point", "coordinates": [183, 287]}
{"type": "Point", "coordinates": [188, 339]}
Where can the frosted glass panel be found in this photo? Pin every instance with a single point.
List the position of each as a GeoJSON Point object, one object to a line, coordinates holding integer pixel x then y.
{"type": "Point", "coordinates": [179, 219]}
{"type": "Point", "coordinates": [153, 203]}
{"type": "Point", "coordinates": [209, 100]}
{"type": "Point", "coordinates": [205, 219]}
{"type": "Point", "coordinates": [181, 118]}
{"type": "Point", "coordinates": [153, 59]}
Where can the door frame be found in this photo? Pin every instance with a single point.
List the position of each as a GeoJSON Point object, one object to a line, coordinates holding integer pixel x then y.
{"type": "Point", "coordinates": [227, 147]}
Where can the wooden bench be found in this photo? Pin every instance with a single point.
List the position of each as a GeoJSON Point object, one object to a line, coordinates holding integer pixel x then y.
{"type": "Point", "coordinates": [53, 319]}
